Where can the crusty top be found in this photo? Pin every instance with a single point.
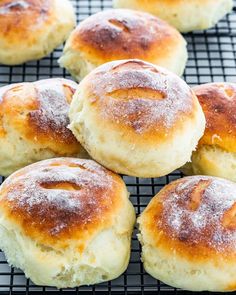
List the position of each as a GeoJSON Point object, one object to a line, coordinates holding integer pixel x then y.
{"type": "Point", "coordinates": [218, 101]}
{"type": "Point", "coordinates": [139, 98]}
{"type": "Point", "coordinates": [62, 199]}
{"type": "Point", "coordinates": [123, 34]}
{"type": "Point", "coordinates": [24, 20]}
{"type": "Point", "coordinates": [193, 217]}
{"type": "Point", "coordinates": [39, 113]}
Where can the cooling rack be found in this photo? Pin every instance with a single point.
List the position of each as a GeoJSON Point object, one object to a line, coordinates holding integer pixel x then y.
{"type": "Point", "coordinates": [212, 58]}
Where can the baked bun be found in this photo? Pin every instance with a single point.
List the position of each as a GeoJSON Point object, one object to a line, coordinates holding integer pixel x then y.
{"type": "Point", "coordinates": [185, 15]}
{"type": "Point", "coordinates": [136, 118]}
{"type": "Point", "coordinates": [122, 34]}
{"type": "Point", "coordinates": [216, 152]}
{"type": "Point", "coordinates": [31, 29]}
{"type": "Point", "coordinates": [33, 123]}
{"type": "Point", "coordinates": [66, 222]}
{"type": "Point", "coordinates": [188, 234]}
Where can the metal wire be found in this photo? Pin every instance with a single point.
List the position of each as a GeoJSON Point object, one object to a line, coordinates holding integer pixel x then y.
{"type": "Point", "coordinates": [212, 57]}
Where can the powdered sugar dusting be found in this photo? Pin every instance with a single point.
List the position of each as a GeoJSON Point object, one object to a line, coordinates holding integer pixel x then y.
{"type": "Point", "coordinates": [13, 4]}
{"type": "Point", "coordinates": [141, 95]}
{"type": "Point", "coordinates": [53, 107]}
{"type": "Point", "coordinates": [28, 191]}
{"type": "Point", "coordinates": [205, 223]}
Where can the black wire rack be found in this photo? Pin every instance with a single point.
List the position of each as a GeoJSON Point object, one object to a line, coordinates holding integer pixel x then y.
{"type": "Point", "coordinates": [212, 58]}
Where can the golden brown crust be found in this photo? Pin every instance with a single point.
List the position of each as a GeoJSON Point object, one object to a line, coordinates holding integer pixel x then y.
{"type": "Point", "coordinates": [62, 199]}
{"type": "Point", "coordinates": [123, 34]}
{"type": "Point", "coordinates": [231, 287]}
{"type": "Point", "coordinates": [39, 112]}
{"type": "Point", "coordinates": [218, 101]}
{"type": "Point", "coordinates": [140, 98]}
{"type": "Point", "coordinates": [24, 20]}
{"type": "Point", "coordinates": [195, 217]}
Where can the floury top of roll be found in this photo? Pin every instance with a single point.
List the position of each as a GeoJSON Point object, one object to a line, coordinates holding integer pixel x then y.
{"type": "Point", "coordinates": [216, 152]}
{"type": "Point", "coordinates": [119, 34]}
{"type": "Point", "coordinates": [31, 29]}
{"type": "Point", "coordinates": [66, 222]}
{"type": "Point", "coordinates": [188, 234]}
{"type": "Point", "coordinates": [33, 123]}
{"type": "Point", "coordinates": [136, 118]}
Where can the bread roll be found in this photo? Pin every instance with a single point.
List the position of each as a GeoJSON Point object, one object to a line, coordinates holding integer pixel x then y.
{"type": "Point", "coordinates": [188, 234]}
{"type": "Point", "coordinates": [136, 118]}
{"type": "Point", "coordinates": [185, 15]}
{"type": "Point", "coordinates": [216, 151]}
{"type": "Point", "coordinates": [31, 29]}
{"type": "Point", "coordinates": [122, 34]}
{"type": "Point", "coordinates": [66, 222]}
{"type": "Point", "coordinates": [33, 123]}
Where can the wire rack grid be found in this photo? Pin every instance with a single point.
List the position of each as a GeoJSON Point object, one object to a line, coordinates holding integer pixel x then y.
{"type": "Point", "coordinates": [212, 58]}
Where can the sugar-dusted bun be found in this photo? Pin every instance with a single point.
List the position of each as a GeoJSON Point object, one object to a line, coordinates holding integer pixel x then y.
{"type": "Point", "coordinates": [122, 34]}
{"type": "Point", "coordinates": [33, 123]}
{"type": "Point", "coordinates": [31, 29]}
{"type": "Point", "coordinates": [185, 15]}
{"type": "Point", "coordinates": [66, 222]}
{"type": "Point", "coordinates": [216, 151]}
{"type": "Point", "coordinates": [136, 118]}
{"type": "Point", "coordinates": [188, 234]}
